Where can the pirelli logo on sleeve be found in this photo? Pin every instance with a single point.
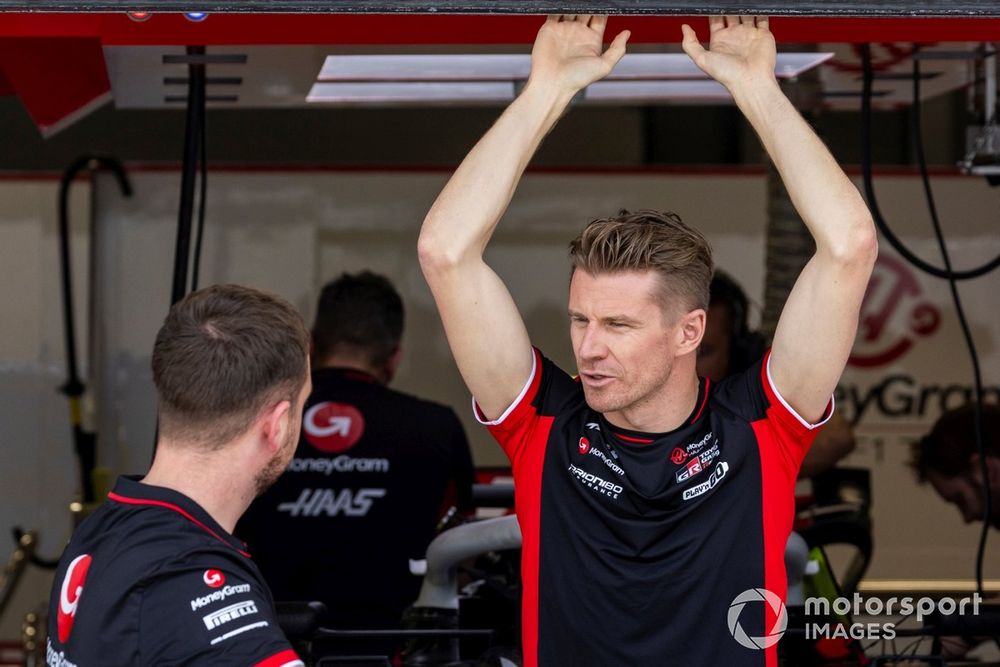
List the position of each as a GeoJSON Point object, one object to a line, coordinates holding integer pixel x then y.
{"type": "Point", "coordinates": [232, 612]}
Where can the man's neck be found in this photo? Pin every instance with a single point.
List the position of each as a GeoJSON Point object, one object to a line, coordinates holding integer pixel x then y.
{"type": "Point", "coordinates": [662, 411]}
{"type": "Point", "coordinates": [353, 362]}
{"type": "Point", "coordinates": [205, 478]}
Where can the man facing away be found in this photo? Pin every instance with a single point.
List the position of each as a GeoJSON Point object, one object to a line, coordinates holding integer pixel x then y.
{"type": "Point", "coordinates": [648, 500]}
{"type": "Point", "coordinates": [155, 576]}
{"type": "Point", "coordinates": [373, 471]}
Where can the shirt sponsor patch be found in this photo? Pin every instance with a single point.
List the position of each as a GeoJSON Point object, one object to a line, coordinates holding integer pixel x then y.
{"type": "Point", "coordinates": [219, 595]}
{"type": "Point", "coordinates": [713, 481]}
{"type": "Point", "coordinates": [596, 483]}
{"type": "Point", "coordinates": [233, 611]}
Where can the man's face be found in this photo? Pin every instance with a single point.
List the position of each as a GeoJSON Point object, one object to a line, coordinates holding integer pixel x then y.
{"type": "Point", "coordinates": [965, 491]}
{"type": "Point", "coordinates": [623, 342]}
{"type": "Point", "coordinates": [713, 354]}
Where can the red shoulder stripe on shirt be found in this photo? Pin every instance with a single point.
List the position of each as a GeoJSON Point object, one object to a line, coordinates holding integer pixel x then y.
{"type": "Point", "coordinates": [159, 503]}
{"type": "Point", "coordinates": [287, 658]}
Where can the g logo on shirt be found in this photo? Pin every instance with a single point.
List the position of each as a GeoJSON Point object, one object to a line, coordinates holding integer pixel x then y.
{"type": "Point", "coordinates": [213, 578]}
{"type": "Point", "coordinates": [584, 445]}
{"type": "Point", "coordinates": [333, 427]}
{"type": "Point", "coordinates": [69, 594]}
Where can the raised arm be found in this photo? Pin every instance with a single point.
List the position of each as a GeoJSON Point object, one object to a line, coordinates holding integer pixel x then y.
{"type": "Point", "coordinates": [816, 329]}
{"type": "Point", "coordinates": [484, 329]}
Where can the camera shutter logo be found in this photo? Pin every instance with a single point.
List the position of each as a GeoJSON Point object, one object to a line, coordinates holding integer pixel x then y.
{"type": "Point", "coordinates": [773, 634]}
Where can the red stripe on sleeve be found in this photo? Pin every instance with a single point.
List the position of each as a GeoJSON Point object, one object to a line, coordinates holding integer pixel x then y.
{"type": "Point", "coordinates": [287, 658]}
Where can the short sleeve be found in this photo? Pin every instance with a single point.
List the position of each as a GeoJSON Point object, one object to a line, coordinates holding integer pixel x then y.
{"type": "Point", "coordinates": [547, 391]}
{"type": "Point", "coordinates": [208, 610]}
{"type": "Point", "coordinates": [752, 395]}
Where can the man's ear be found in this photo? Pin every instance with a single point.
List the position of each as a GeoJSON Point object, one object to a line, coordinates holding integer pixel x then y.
{"type": "Point", "coordinates": [690, 331]}
{"type": "Point", "coordinates": [274, 425]}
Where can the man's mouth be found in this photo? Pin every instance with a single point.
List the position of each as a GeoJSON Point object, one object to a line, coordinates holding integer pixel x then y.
{"type": "Point", "coordinates": [596, 380]}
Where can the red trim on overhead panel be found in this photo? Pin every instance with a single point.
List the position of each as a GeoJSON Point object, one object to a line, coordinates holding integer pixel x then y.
{"type": "Point", "coordinates": [57, 79]}
{"type": "Point", "coordinates": [395, 29]}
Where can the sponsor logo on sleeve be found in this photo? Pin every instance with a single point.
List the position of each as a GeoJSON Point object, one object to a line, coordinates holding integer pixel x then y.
{"type": "Point", "coordinates": [213, 578]}
{"type": "Point", "coordinates": [230, 613]}
{"type": "Point", "coordinates": [69, 594]}
{"type": "Point", "coordinates": [713, 480]}
{"type": "Point", "coordinates": [219, 595]}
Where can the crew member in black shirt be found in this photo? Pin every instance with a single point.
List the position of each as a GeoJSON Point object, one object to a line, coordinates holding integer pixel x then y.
{"type": "Point", "coordinates": [154, 575]}
{"type": "Point", "coordinates": [373, 472]}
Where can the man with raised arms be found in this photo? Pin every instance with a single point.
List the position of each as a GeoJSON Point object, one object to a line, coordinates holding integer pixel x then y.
{"type": "Point", "coordinates": [640, 562]}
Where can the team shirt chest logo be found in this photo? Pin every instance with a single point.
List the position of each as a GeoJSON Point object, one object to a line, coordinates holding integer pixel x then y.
{"type": "Point", "coordinates": [333, 427]}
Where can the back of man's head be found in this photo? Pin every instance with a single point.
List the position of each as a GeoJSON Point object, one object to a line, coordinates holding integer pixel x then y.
{"type": "Point", "coordinates": [223, 354]}
{"type": "Point", "coordinates": [649, 241]}
{"type": "Point", "coordinates": [947, 450]}
{"type": "Point", "coordinates": [358, 313]}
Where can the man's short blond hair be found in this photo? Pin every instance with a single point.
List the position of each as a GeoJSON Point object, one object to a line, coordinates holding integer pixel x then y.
{"type": "Point", "coordinates": [650, 241]}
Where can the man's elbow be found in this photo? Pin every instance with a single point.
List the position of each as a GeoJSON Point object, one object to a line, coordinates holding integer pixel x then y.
{"type": "Point", "coordinates": [434, 254]}
{"type": "Point", "coordinates": [858, 248]}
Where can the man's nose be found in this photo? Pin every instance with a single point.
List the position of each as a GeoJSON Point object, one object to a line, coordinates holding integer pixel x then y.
{"type": "Point", "coordinates": [592, 346]}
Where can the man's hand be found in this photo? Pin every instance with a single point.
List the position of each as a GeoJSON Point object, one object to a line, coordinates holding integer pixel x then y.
{"type": "Point", "coordinates": [741, 50]}
{"type": "Point", "coordinates": [567, 52]}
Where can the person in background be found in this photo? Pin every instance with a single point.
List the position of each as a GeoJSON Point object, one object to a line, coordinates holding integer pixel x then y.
{"type": "Point", "coordinates": [374, 471]}
{"type": "Point", "coordinates": [729, 346]}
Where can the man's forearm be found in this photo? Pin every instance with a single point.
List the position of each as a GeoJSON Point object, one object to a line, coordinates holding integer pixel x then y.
{"type": "Point", "coordinates": [828, 202]}
{"type": "Point", "coordinates": [463, 217]}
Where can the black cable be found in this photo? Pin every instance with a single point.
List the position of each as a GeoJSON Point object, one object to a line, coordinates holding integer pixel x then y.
{"type": "Point", "coordinates": [192, 134]}
{"type": "Point", "coordinates": [918, 142]}
{"type": "Point", "coordinates": [202, 193]}
{"type": "Point", "coordinates": [84, 442]}
{"type": "Point", "coordinates": [866, 173]}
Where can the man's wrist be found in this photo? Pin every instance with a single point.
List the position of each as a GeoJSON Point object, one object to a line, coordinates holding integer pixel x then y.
{"type": "Point", "coordinates": [756, 93]}
{"type": "Point", "coordinates": [548, 93]}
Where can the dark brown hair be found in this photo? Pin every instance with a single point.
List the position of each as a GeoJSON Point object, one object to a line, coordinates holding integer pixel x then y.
{"type": "Point", "coordinates": [223, 354]}
{"type": "Point", "coordinates": [361, 311]}
{"type": "Point", "coordinates": [649, 240]}
{"type": "Point", "coordinates": [948, 448]}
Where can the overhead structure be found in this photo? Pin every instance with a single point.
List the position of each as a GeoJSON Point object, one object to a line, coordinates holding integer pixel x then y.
{"type": "Point", "coordinates": [634, 7]}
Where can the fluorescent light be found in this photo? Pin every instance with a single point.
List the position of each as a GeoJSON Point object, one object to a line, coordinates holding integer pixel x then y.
{"type": "Point", "coordinates": [403, 92]}
{"type": "Point", "coordinates": [493, 67]}
{"type": "Point", "coordinates": [638, 91]}
{"type": "Point", "coordinates": [428, 67]}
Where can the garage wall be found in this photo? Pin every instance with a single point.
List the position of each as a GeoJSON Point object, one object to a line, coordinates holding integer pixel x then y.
{"type": "Point", "coordinates": [291, 232]}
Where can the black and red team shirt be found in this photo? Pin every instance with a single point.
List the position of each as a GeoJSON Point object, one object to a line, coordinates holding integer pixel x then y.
{"type": "Point", "coordinates": [636, 545]}
{"type": "Point", "coordinates": [151, 578]}
{"type": "Point", "coordinates": [373, 471]}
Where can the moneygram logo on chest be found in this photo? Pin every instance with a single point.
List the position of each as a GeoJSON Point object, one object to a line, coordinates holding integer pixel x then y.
{"type": "Point", "coordinates": [894, 315]}
{"type": "Point", "coordinates": [333, 427]}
